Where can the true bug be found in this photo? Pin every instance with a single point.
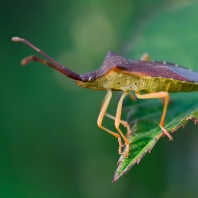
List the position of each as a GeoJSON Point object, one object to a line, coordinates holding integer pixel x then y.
{"type": "Point", "coordinates": [117, 73]}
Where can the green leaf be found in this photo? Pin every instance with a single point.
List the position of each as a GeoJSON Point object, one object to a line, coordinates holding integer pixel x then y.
{"type": "Point", "coordinates": [164, 37]}
{"type": "Point", "coordinates": [145, 131]}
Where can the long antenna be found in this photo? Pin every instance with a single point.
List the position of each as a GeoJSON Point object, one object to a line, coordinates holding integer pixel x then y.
{"type": "Point", "coordinates": [55, 64]}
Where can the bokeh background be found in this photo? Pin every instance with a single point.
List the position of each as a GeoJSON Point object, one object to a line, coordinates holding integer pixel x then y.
{"type": "Point", "coordinates": [50, 145]}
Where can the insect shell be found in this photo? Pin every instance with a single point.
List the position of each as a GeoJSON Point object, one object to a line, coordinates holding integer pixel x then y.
{"type": "Point", "coordinates": [118, 73]}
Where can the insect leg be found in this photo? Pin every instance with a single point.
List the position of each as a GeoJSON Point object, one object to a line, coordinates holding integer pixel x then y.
{"type": "Point", "coordinates": [132, 96]}
{"type": "Point", "coordinates": [117, 122]}
{"type": "Point", "coordinates": [124, 123]}
{"type": "Point", "coordinates": [164, 95]}
{"type": "Point", "coordinates": [101, 116]}
{"type": "Point", "coordinates": [145, 57]}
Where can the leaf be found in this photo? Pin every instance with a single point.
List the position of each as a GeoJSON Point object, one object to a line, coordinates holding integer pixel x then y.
{"type": "Point", "coordinates": [144, 117]}
{"type": "Point", "coordinates": [160, 36]}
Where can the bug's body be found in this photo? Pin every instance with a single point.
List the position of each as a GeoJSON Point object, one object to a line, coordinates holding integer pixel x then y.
{"type": "Point", "coordinates": [155, 79]}
{"type": "Point", "coordinates": [127, 82]}
{"type": "Point", "coordinates": [145, 76]}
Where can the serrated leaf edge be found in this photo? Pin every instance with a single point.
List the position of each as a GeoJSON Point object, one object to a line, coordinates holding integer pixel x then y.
{"type": "Point", "coordinates": [137, 161]}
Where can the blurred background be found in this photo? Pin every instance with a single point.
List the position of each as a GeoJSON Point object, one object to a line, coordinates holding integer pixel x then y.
{"type": "Point", "coordinates": [50, 145]}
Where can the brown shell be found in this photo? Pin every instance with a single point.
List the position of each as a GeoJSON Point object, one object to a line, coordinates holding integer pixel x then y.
{"type": "Point", "coordinates": [141, 68]}
{"type": "Point", "coordinates": [146, 68]}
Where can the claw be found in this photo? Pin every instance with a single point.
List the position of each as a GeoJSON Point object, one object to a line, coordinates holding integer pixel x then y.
{"type": "Point", "coordinates": [120, 150]}
{"type": "Point", "coordinates": [120, 145]}
{"type": "Point", "coordinates": [126, 148]}
{"type": "Point", "coordinates": [127, 151]}
{"type": "Point", "coordinates": [165, 132]}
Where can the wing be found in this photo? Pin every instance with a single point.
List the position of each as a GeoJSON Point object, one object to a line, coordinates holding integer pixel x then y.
{"type": "Point", "coordinates": [161, 69]}
{"type": "Point", "coordinates": [146, 68]}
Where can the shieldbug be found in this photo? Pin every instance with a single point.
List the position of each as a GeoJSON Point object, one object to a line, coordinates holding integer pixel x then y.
{"type": "Point", "coordinates": [154, 79]}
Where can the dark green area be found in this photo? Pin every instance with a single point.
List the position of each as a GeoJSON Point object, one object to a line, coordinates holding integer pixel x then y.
{"type": "Point", "coordinates": [50, 143]}
{"type": "Point", "coordinates": [145, 131]}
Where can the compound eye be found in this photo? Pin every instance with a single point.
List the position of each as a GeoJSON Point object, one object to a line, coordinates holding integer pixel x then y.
{"type": "Point", "coordinates": [90, 79]}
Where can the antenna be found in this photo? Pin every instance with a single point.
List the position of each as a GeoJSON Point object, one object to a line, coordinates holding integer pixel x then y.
{"type": "Point", "coordinates": [55, 64]}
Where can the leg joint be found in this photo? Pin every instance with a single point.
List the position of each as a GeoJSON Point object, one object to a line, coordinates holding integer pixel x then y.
{"type": "Point", "coordinates": [117, 124]}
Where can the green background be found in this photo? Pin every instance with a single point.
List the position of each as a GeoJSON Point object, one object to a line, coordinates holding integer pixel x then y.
{"type": "Point", "coordinates": [50, 145]}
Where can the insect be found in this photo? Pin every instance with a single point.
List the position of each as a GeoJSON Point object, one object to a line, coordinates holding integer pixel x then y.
{"type": "Point", "coordinates": [153, 79]}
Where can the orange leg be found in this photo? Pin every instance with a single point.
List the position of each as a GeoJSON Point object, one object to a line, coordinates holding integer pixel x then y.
{"type": "Point", "coordinates": [132, 96]}
{"type": "Point", "coordinates": [117, 122]}
{"type": "Point", "coordinates": [164, 95]}
{"type": "Point", "coordinates": [145, 57]}
{"type": "Point", "coordinates": [124, 123]}
{"type": "Point", "coordinates": [101, 116]}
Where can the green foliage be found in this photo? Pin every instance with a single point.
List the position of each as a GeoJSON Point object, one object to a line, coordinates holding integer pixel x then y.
{"type": "Point", "coordinates": [144, 117]}
{"type": "Point", "coordinates": [163, 37]}
{"type": "Point", "coordinates": [50, 143]}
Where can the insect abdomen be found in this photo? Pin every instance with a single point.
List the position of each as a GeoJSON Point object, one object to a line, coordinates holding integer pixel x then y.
{"type": "Point", "coordinates": [189, 86]}
{"type": "Point", "coordinates": [156, 84]}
